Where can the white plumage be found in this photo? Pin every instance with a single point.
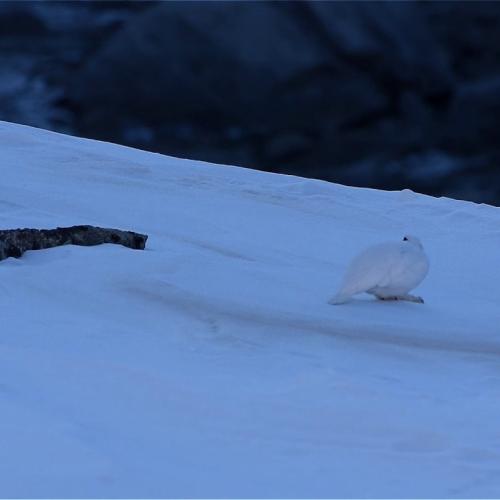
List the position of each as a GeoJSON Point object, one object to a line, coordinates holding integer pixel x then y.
{"type": "Point", "coordinates": [388, 271]}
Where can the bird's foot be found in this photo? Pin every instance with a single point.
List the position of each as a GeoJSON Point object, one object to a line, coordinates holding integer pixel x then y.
{"type": "Point", "coordinates": [407, 297]}
{"type": "Point", "coordinates": [412, 298]}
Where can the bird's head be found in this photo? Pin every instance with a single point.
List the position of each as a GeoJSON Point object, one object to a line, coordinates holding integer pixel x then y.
{"type": "Point", "coordinates": [413, 240]}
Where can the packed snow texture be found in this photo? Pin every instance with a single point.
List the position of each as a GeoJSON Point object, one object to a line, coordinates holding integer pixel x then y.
{"type": "Point", "coordinates": [211, 364]}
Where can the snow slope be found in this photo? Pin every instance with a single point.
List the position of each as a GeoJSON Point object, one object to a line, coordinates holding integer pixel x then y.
{"type": "Point", "coordinates": [211, 364]}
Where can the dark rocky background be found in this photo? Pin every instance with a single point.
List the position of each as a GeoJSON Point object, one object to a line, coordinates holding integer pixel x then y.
{"type": "Point", "coordinates": [381, 94]}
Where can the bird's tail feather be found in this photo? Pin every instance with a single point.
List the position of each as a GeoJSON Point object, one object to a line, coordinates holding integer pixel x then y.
{"type": "Point", "coordinates": [340, 298]}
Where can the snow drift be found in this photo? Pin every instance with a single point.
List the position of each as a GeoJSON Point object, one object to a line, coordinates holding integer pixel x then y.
{"type": "Point", "coordinates": [211, 364]}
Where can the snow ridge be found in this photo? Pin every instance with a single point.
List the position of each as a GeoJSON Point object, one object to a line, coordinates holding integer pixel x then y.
{"type": "Point", "coordinates": [214, 354]}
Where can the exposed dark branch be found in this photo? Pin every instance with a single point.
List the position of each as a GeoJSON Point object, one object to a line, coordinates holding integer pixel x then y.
{"type": "Point", "coordinates": [14, 242]}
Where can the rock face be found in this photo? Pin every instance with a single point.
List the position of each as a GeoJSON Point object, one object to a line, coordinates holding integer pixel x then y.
{"type": "Point", "coordinates": [365, 93]}
{"type": "Point", "coordinates": [261, 72]}
{"type": "Point", "coordinates": [14, 242]}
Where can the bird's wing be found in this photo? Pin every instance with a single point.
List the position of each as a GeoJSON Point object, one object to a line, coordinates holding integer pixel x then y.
{"type": "Point", "coordinates": [369, 269]}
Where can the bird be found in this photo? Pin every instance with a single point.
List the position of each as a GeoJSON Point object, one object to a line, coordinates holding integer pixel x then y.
{"type": "Point", "coordinates": [388, 271]}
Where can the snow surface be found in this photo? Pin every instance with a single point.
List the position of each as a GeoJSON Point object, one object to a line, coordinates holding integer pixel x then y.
{"type": "Point", "coordinates": [211, 364]}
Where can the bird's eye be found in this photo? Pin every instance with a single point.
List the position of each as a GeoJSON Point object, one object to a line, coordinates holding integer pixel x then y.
{"type": "Point", "coordinates": [405, 239]}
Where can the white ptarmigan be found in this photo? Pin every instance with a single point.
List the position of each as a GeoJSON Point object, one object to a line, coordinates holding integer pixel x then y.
{"type": "Point", "coordinates": [388, 271]}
